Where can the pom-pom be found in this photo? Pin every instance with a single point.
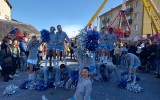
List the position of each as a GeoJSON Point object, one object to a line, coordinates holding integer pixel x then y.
{"type": "Point", "coordinates": [134, 87]}
{"type": "Point", "coordinates": [92, 40]}
{"type": "Point", "coordinates": [123, 83]}
{"type": "Point", "coordinates": [75, 75]}
{"type": "Point", "coordinates": [40, 87]}
{"type": "Point", "coordinates": [27, 85]}
{"type": "Point", "coordinates": [50, 84]}
{"type": "Point", "coordinates": [45, 35]}
{"type": "Point", "coordinates": [10, 90]}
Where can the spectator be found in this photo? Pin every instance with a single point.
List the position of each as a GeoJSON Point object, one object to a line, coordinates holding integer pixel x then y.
{"type": "Point", "coordinates": [67, 48]}
{"type": "Point", "coordinates": [7, 60]}
{"type": "Point", "coordinates": [71, 50]}
{"type": "Point", "coordinates": [132, 48]}
{"type": "Point", "coordinates": [15, 56]}
{"type": "Point", "coordinates": [117, 54]}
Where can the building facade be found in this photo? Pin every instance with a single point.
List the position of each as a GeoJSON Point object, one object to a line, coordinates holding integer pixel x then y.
{"type": "Point", "coordinates": [5, 10]}
{"type": "Point", "coordinates": [139, 21]}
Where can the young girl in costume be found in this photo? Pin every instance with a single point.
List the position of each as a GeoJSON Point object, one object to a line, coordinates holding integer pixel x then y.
{"type": "Point", "coordinates": [84, 86]}
{"type": "Point", "coordinates": [33, 58]}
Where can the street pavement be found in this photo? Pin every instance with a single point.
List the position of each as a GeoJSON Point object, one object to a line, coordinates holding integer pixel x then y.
{"type": "Point", "coordinates": [100, 91]}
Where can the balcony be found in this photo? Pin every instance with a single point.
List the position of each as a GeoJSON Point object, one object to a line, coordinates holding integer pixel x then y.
{"type": "Point", "coordinates": [129, 11]}
{"type": "Point", "coordinates": [125, 23]}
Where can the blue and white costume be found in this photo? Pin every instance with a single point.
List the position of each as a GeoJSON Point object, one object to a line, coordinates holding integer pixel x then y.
{"type": "Point", "coordinates": [132, 61]}
{"type": "Point", "coordinates": [33, 50]}
{"type": "Point", "coordinates": [65, 75]}
{"type": "Point", "coordinates": [33, 57]}
{"type": "Point", "coordinates": [102, 41]}
{"type": "Point", "coordinates": [90, 62]}
{"type": "Point", "coordinates": [60, 40]}
{"type": "Point", "coordinates": [45, 75]}
{"type": "Point", "coordinates": [109, 68]}
{"type": "Point", "coordinates": [111, 39]}
{"type": "Point", "coordinates": [83, 90]}
{"type": "Point", "coordinates": [51, 45]}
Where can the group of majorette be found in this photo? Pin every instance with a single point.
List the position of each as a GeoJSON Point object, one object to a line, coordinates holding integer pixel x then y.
{"type": "Point", "coordinates": [55, 45]}
{"type": "Point", "coordinates": [106, 50]}
{"type": "Point", "coordinates": [87, 64]}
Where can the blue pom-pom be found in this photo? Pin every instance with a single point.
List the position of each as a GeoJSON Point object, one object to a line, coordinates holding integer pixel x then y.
{"type": "Point", "coordinates": [40, 87]}
{"type": "Point", "coordinates": [91, 41]}
{"type": "Point", "coordinates": [24, 84]}
{"type": "Point", "coordinates": [123, 83]}
{"type": "Point", "coordinates": [75, 75]}
{"type": "Point", "coordinates": [50, 84]}
{"type": "Point", "coordinates": [45, 35]}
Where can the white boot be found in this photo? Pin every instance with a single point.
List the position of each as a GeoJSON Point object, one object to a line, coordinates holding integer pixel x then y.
{"type": "Point", "coordinates": [30, 77]}
{"type": "Point", "coordinates": [46, 62]}
{"type": "Point", "coordinates": [100, 59]}
{"type": "Point", "coordinates": [57, 62]}
{"type": "Point", "coordinates": [129, 78]}
{"type": "Point", "coordinates": [106, 59]}
{"type": "Point", "coordinates": [54, 62]}
{"type": "Point", "coordinates": [34, 77]}
{"type": "Point", "coordinates": [134, 79]}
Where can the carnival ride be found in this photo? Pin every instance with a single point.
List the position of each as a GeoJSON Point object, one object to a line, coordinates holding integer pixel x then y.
{"type": "Point", "coordinates": [149, 7]}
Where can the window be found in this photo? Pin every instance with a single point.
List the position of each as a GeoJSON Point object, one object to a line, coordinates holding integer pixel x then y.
{"type": "Point", "coordinates": [128, 17]}
{"type": "Point", "coordinates": [128, 7]}
{"type": "Point", "coordinates": [107, 18]}
{"type": "Point", "coordinates": [135, 27]}
{"type": "Point", "coordinates": [136, 15]}
{"type": "Point", "coordinates": [136, 4]}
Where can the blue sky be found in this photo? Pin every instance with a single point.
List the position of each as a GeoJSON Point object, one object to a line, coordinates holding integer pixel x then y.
{"type": "Point", "coordinates": [73, 15]}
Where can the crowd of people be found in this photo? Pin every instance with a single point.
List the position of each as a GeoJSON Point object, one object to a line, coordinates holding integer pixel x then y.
{"type": "Point", "coordinates": [22, 54]}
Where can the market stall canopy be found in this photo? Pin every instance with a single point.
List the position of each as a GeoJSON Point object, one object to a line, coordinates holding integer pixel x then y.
{"type": "Point", "coordinates": [6, 27]}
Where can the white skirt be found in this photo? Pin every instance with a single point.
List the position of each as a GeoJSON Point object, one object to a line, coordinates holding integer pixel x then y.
{"type": "Point", "coordinates": [34, 62]}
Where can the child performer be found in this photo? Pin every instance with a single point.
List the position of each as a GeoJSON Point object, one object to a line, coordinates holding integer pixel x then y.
{"type": "Point", "coordinates": [107, 68]}
{"type": "Point", "coordinates": [65, 73]}
{"type": "Point", "coordinates": [133, 62]}
{"type": "Point", "coordinates": [46, 73]}
{"type": "Point", "coordinates": [84, 86]}
{"type": "Point", "coordinates": [103, 45]}
{"type": "Point", "coordinates": [33, 58]}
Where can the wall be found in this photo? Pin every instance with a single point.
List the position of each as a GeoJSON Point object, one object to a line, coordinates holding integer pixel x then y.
{"type": "Point", "coordinates": [5, 10]}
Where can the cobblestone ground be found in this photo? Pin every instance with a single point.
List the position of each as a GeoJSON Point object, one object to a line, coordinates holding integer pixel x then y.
{"type": "Point", "coordinates": [101, 90]}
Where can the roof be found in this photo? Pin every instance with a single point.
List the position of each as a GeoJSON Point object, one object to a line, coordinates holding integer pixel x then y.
{"type": "Point", "coordinates": [112, 9]}
{"type": "Point", "coordinates": [8, 3]}
{"type": "Point", "coordinates": [6, 26]}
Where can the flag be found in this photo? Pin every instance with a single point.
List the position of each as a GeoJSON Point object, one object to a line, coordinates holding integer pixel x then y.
{"type": "Point", "coordinates": [14, 31]}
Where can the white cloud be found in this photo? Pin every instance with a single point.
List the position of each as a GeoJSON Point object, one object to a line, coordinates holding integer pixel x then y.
{"type": "Point", "coordinates": [72, 30]}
